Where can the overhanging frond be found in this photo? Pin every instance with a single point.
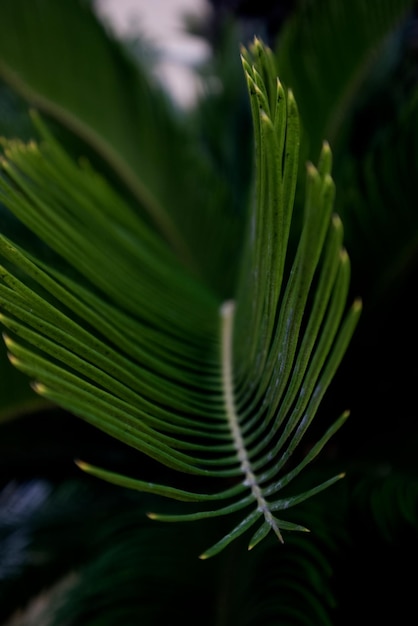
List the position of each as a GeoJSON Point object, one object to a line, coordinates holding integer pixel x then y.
{"type": "Point", "coordinates": [106, 98]}
{"type": "Point", "coordinates": [380, 203]}
{"type": "Point", "coordinates": [109, 323]}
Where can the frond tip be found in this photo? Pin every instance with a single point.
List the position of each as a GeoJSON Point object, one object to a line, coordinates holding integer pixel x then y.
{"type": "Point", "coordinates": [110, 325]}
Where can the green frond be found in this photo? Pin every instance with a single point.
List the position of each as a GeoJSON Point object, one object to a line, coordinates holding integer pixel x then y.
{"type": "Point", "coordinates": [379, 206]}
{"type": "Point", "coordinates": [110, 324]}
{"type": "Point", "coordinates": [330, 53]}
{"type": "Point", "coordinates": [128, 123]}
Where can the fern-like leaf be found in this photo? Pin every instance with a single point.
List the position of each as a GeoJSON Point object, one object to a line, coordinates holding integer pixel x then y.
{"type": "Point", "coordinates": [330, 54]}
{"type": "Point", "coordinates": [112, 326]}
{"type": "Point", "coordinates": [104, 97]}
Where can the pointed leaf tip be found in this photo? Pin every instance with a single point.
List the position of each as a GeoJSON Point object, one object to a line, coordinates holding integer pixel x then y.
{"type": "Point", "coordinates": [336, 221]}
{"type": "Point", "coordinates": [82, 465]}
{"type": "Point", "coordinates": [344, 256]}
{"type": "Point", "coordinates": [357, 305]}
{"type": "Point", "coordinates": [39, 388]}
{"type": "Point", "coordinates": [325, 159]}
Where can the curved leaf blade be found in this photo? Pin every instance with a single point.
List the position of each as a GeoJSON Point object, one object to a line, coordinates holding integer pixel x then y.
{"type": "Point", "coordinates": [111, 325]}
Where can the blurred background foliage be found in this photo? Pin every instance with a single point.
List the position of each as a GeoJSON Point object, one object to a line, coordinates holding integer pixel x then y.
{"type": "Point", "coordinates": [75, 551]}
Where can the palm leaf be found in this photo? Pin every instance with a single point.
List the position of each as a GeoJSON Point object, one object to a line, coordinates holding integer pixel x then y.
{"type": "Point", "coordinates": [111, 325]}
{"type": "Point", "coordinates": [379, 206]}
{"type": "Point", "coordinates": [330, 54]}
{"type": "Point", "coordinates": [126, 120]}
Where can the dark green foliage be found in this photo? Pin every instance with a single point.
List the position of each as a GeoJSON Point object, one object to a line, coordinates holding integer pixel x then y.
{"type": "Point", "coordinates": [86, 546]}
{"type": "Point", "coordinates": [110, 324]}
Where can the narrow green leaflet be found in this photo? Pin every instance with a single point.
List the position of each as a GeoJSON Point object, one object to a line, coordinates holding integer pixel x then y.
{"type": "Point", "coordinates": [107, 321]}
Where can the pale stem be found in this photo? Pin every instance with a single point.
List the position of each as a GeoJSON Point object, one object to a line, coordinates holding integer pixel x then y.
{"type": "Point", "coordinates": [250, 480]}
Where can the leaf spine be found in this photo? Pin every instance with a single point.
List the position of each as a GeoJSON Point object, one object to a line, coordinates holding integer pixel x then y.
{"type": "Point", "coordinates": [250, 480]}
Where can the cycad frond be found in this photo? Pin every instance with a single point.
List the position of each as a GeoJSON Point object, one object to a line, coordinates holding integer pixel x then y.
{"type": "Point", "coordinates": [104, 97]}
{"type": "Point", "coordinates": [379, 206]}
{"type": "Point", "coordinates": [116, 330]}
{"type": "Point", "coordinates": [330, 54]}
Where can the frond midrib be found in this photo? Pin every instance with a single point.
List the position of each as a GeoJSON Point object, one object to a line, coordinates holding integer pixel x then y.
{"type": "Point", "coordinates": [249, 477]}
